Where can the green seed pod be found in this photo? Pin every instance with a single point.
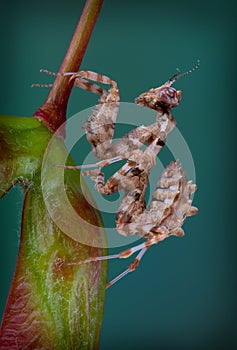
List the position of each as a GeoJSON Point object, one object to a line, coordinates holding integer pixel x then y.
{"type": "Point", "coordinates": [50, 305]}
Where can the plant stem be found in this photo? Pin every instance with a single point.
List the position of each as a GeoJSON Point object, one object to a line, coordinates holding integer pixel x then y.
{"type": "Point", "coordinates": [51, 306]}
{"type": "Point", "coordinates": [53, 112]}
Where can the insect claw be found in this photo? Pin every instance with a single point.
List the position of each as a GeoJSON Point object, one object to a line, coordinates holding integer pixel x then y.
{"type": "Point", "coordinates": [192, 211]}
{"type": "Point", "coordinates": [49, 72]}
{"type": "Point", "coordinates": [179, 232]}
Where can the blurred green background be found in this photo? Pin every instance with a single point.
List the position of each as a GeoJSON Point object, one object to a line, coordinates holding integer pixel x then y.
{"type": "Point", "coordinates": [183, 296]}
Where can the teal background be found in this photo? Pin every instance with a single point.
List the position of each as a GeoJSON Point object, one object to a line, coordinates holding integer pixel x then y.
{"type": "Point", "coordinates": [183, 296]}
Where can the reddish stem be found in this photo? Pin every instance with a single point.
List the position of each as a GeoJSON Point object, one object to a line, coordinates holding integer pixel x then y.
{"type": "Point", "coordinates": [53, 112]}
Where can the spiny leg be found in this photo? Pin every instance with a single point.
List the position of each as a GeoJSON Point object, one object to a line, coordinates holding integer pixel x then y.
{"type": "Point", "coordinates": [98, 176]}
{"type": "Point", "coordinates": [42, 85]}
{"type": "Point", "coordinates": [80, 82]}
{"type": "Point", "coordinates": [139, 162]}
{"type": "Point", "coordinates": [97, 77]}
{"type": "Point", "coordinates": [99, 164]}
{"type": "Point", "coordinates": [133, 174]}
{"type": "Point", "coordinates": [45, 85]}
{"type": "Point", "coordinates": [100, 125]}
{"type": "Point", "coordinates": [124, 147]}
{"type": "Point", "coordinates": [122, 255]}
{"type": "Point", "coordinates": [135, 139]}
{"type": "Point", "coordinates": [126, 178]}
{"type": "Point", "coordinates": [133, 266]}
{"type": "Point", "coordinates": [100, 185]}
{"type": "Point", "coordinates": [46, 71]}
{"type": "Point", "coordinates": [142, 248]}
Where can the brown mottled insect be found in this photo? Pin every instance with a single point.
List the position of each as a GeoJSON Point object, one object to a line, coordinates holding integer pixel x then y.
{"type": "Point", "coordinates": [170, 205]}
{"type": "Point", "coordinates": [172, 199]}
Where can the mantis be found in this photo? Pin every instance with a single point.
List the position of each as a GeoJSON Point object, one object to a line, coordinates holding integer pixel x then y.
{"type": "Point", "coordinates": [171, 202]}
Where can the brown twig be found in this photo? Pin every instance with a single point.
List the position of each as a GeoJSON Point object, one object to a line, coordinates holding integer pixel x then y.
{"type": "Point", "coordinates": [53, 112]}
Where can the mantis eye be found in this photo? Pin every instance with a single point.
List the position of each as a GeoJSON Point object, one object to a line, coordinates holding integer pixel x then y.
{"type": "Point", "coordinates": [169, 96]}
{"type": "Point", "coordinates": [171, 92]}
